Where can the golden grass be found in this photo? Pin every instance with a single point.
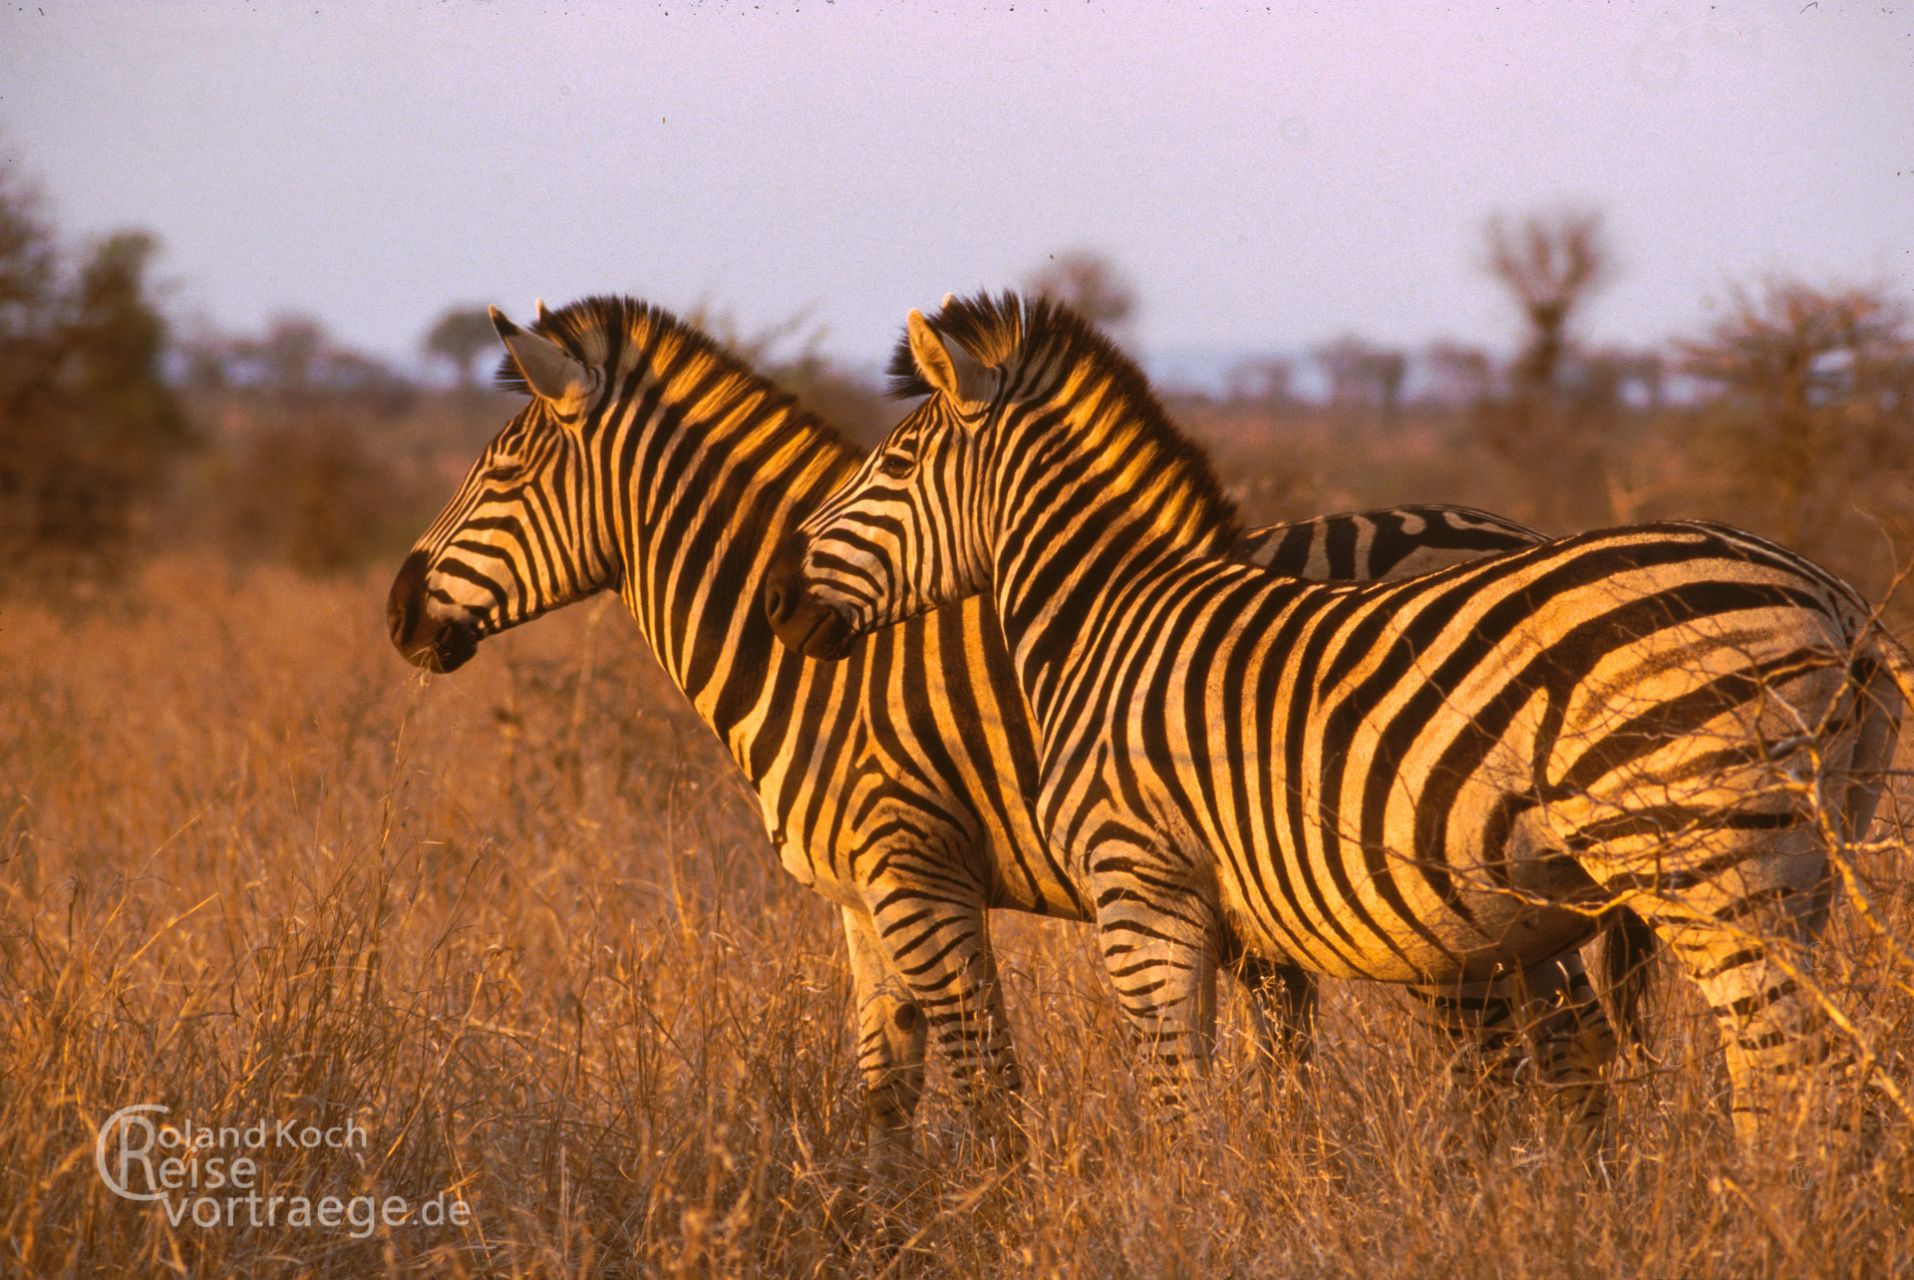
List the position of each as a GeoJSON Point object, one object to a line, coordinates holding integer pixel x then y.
{"type": "Point", "coordinates": [521, 925]}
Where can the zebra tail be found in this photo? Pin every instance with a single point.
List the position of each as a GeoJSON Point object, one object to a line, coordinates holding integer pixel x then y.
{"type": "Point", "coordinates": [1893, 655]}
{"type": "Point", "coordinates": [1628, 947]}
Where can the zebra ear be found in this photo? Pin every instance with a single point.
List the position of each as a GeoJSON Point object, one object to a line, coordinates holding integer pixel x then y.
{"type": "Point", "coordinates": [946, 365]}
{"type": "Point", "coordinates": [551, 373]}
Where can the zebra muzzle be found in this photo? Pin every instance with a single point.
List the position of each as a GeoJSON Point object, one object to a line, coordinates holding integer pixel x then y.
{"type": "Point", "coordinates": [800, 619]}
{"type": "Point", "coordinates": [436, 644]}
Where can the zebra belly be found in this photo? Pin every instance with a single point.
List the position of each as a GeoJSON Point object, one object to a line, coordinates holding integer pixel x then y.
{"type": "Point", "coordinates": [1501, 933]}
{"type": "Point", "coordinates": [804, 859]}
{"type": "Point", "coordinates": [1491, 894]}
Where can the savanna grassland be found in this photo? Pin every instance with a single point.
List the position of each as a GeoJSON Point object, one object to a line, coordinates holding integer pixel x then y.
{"type": "Point", "coordinates": [518, 937]}
{"type": "Point", "coordinates": [522, 927]}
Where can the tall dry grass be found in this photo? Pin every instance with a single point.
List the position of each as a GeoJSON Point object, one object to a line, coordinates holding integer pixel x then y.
{"type": "Point", "coordinates": [521, 926]}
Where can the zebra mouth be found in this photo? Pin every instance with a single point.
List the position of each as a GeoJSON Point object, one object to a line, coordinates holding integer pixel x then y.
{"type": "Point", "coordinates": [437, 646]}
{"type": "Point", "coordinates": [449, 647]}
{"type": "Point", "coordinates": [827, 638]}
{"type": "Point", "coordinates": [805, 624]}
{"type": "Point", "coordinates": [799, 619]}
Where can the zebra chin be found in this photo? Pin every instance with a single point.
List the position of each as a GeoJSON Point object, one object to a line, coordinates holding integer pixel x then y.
{"type": "Point", "coordinates": [436, 644]}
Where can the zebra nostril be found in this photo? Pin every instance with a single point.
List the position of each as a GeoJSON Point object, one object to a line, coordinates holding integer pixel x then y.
{"type": "Point", "coordinates": [783, 596]}
{"type": "Point", "coordinates": [403, 602]}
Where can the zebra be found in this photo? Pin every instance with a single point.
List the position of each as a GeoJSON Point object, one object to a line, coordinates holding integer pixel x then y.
{"type": "Point", "coordinates": [897, 785]}
{"type": "Point", "coordinates": [1419, 781]}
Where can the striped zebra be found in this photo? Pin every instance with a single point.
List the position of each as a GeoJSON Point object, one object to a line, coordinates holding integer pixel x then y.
{"type": "Point", "coordinates": [898, 784]}
{"type": "Point", "coordinates": [1423, 781]}
{"type": "Point", "coordinates": [1385, 543]}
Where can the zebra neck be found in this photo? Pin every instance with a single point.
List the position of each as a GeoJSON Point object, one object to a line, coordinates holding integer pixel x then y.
{"type": "Point", "coordinates": [1072, 572]}
{"type": "Point", "coordinates": [707, 488]}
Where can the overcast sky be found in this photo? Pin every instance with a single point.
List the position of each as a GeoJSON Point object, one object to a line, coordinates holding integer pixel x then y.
{"type": "Point", "coordinates": [1268, 176]}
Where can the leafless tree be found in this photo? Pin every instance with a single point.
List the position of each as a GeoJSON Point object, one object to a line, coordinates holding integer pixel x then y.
{"type": "Point", "coordinates": [1089, 282]}
{"type": "Point", "coordinates": [1788, 345]}
{"type": "Point", "coordinates": [1814, 384]}
{"type": "Point", "coordinates": [1459, 376]}
{"type": "Point", "coordinates": [460, 337]}
{"type": "Point", "coordinates": [1362, 374]}
{"type": "Point", "coordinates": [1551, 263]}
{"type": "Point", "coordinates": [1261, 380]}
{"type": "Point", "coordinates": [291, 351]}
{"type": "Point", "coordinates": [1554, 428]}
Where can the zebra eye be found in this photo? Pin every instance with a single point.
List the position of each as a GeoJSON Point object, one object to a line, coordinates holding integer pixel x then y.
{"type": "Point", "coordinates": [505, 470]}
{"type": "Point", "coordinates": [898, 465]}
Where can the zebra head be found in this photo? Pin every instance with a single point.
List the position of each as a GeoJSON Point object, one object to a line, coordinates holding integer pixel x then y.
{"type": "Point", "coordinates": [516, 540]}
{"type": "Point", "coordinates": [906, 533]}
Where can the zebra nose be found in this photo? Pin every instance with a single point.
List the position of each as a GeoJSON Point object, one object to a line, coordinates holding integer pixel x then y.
{"type": "Point", "coordinates": [777, 602]}
{"type": "Point", "coordinates": [402, 603]}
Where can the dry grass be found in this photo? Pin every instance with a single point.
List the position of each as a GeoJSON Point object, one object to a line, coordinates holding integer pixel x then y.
{"type": "Point", "coordinates": [522, 926]}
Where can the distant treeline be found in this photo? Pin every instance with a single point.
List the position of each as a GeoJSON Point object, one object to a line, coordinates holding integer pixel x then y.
{"type": "Point", "coordinates": [1792, 412]}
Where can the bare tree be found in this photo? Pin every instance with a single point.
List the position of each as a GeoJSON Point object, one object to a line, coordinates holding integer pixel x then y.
{"type": "Point", "coordinates": [291, 351]}
{"type": "Point", "coordinates": [460, 337]}
{"type": "Point", "coordinates": [1261, 380]}
{"type": "Point", "coordinates": [1814, 387]}
{"type": "Point", "coordinates": [1089, 282]}
{"type": "Point", "coordinates": [1459, 376]}
{"type": "Point", "coordinates": [1788, 344]}
{"type": "Point", "coordinates": [1551, 263]}
{"type": "Point", "coordinates": [1362, 374]}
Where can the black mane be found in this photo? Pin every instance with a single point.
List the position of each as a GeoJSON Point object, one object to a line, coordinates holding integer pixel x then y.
{"type": "Point", "coordinates": [1009, 329]}
{"type": "Point", "coordinates": [598, 329]}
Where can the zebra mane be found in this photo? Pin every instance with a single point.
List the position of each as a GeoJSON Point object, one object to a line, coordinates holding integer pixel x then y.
{"type": "Point", "coordinates": [600, 329]}
{"type": "Point", "coordinates": [1007, 329]}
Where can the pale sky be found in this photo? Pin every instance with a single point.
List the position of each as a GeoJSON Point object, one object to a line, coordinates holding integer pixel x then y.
{"type": "Point", "coordinates": [1268, 176]}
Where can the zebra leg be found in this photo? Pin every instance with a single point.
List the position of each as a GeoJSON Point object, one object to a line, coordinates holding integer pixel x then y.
{"type": "Point", "coordinates": [1570, 1039]}
{"type": "Point", "coordinates": [1282, 1003]}
{"type": "Point", "coordinates": [1717, 838]}
{"type": "Point", "coordinates": [1160, 942]}
{"type": "Point", "coordinates": [936, 943]}
{"type": "Point", "coordinates": [1738, 915]}
{"type": "Point", "coordinates": [1544, 1023]}
{"type": "Point", "coordinates": [890, 1042]}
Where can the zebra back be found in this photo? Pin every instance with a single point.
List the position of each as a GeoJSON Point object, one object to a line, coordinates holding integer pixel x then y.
{"type": "Point", "coordinates": [1382, 543]}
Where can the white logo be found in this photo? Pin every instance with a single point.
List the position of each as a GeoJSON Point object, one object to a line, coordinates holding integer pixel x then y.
{"type": "Point", "coordinates": [211, 1176]}
{"type": "Point", "coordinates": [131, 1135]}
